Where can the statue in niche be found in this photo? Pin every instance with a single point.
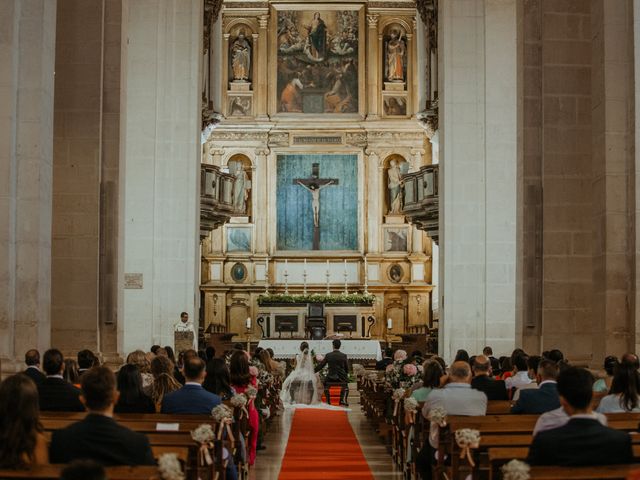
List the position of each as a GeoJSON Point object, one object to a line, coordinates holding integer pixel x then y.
{"type": "Point", "coordinates": [396, 56]}
{"type": "Point", "coordinates": [241, 188]}
{"type": "Point", "coordinates": [394, 184]}
{"type": "Point", "coordinates": [241, 57]}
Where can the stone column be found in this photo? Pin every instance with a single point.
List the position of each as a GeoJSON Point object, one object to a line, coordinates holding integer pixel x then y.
{"type": "Point", "coordinates": [27, 54]}
{"type": "Point", "coordinates": [373, 62]}
{"type": "Point", "coordinates": [260, 184]}
{"type": "Point", "coordinates": [374, 213]}
{"type": "Point", "coordinates": [263, 70]}
{"type": "Point", "coordinates": [478, 161]}
{"type": "Point", "coordinates": [160, 169]}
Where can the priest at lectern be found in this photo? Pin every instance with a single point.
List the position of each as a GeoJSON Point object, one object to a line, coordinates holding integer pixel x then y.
{"type": "Point", "coordinates": [185, 335]}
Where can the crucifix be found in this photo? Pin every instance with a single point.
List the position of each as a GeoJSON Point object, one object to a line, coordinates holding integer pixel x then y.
{"type": "Point", "coordinates": [314, 184]}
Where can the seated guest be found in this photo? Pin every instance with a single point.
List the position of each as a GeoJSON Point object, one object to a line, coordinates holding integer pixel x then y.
{"type": "Point", "coordinates": [98, 436]}
{"type": "Point", "coordinates": [132, 397]}
{"type": "Point", "coordinates": [192, 398]}
{"type": "Point", "coordinates": [386, 359]}
{"type": "Point", "coordinates": [557, 418]}
{"type": "Point", "coordinates": [583, 440]}
{"type": "Point", "coordinates": [22, 440]}
{"type": "Point", "coordinates": [506, 368]}
{"type": "Point", "coordinates": [461, 356]}
{"type": "Point", "coordinates": [32, 360]}
{"type": "Point", "coordinates": [140, 360]}
{"type": "Point", "coordinates": [71, 373]}
{"type": "Point", "coordinates": [544, 398]}
{"type": "Point", "coordinates": [495, 364]}
{"type": "Point", "coordinates": [533, 362]}
{"type": "Point", "coordinates": [483, 381]}
{"type": "Point", "coordinates": [56, 394]}
{"type": "Point", "coordinates": [521, 373]}
{"type": "Point", "coordinates": [83, 470]}
{"type": "Point", "coordinates": [86, 360]}
{"type": "Point", "coordinates": [623, 396]}
{"type": "Point", "coordinates": [457, 397]}
{"type": "Point", "coordinates": [431, 375]}
{"type": "Point", "coordinates": [218, 379]}
{"type": "Point", "coordinates": [210, 352]}
{"type": "Point", "coordinates": [163, 380]}
{"type": "Point", "coordinates": [602, 385]}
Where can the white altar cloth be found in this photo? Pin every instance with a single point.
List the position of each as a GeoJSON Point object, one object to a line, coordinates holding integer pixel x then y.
{"type": "Point", "coordinates": [354, 349]}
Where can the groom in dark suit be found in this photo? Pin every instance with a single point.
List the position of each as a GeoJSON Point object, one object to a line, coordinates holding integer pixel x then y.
{"type": "Point", "coordinates": [338, 372]}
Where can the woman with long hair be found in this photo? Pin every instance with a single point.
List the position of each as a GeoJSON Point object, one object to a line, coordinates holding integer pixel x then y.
{"type": "Point", "coordinates": [140, 359]}
{"type": "Point", "coordinates": [163, 381]}
{"type": "Point", "coordinates": [241, 381]}
{"type": "Point", "coordinates": [431, 376]}
{"type": "Point", "coordinates": [132, 397]}
{"type": "Point", "coordinates": [22, 440]}
{"type": "Point", "coordinates": [602, 385]}
{"type": "Point", "coordinates": [71, 373]}
{"type": "Point", "coordinates": [624, 393]}
{"type": "Point", "coordinates": [218, 379]}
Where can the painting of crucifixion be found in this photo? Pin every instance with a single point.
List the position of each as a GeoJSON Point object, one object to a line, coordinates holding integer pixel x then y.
{"type": "Point", "coordinates": [317, 197]}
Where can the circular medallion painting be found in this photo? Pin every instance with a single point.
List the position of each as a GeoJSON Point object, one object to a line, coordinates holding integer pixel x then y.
{"type": "Point", "coordinates": [238, 272]}
{"type": "Point", "coordinates": [395, 273]}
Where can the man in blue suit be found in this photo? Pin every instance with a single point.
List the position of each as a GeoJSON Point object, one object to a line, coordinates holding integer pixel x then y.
{"type": "Point", "coordinates": [544, 398]}
{"type": "Point", "coordinates": [191, 398]}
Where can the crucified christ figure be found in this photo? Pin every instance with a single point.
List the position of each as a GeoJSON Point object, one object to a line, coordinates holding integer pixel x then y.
{"type": "Point", "coordinates": [315, 199]}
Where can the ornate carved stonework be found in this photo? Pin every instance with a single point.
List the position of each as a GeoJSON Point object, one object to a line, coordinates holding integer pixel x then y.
{"type": "Point", "coordinates": [394, 136]}
{"type": "Point", "coordinates": [372, 20]}
{"type": "Point", "coordinates": [357, 139]}
{"type": "Point", "coordinates": [244, 136]}
{"type": "Point", "coordinates": [278, 139]}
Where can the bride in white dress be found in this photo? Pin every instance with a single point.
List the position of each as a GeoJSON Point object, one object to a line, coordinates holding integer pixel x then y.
{"type": "Point", "coordinates": [301, 386]}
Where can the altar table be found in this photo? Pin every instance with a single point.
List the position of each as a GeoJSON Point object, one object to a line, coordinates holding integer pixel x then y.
{"type": "Point", "coordinates": [354, 349]}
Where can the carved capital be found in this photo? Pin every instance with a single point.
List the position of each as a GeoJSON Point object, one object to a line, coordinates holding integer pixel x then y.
{"type": "Point", "coordinates": [356, 139]}
{"type": "Point", "coordinates": [263, 21]}
{"type": "Point", "coordinates": [372, 20]}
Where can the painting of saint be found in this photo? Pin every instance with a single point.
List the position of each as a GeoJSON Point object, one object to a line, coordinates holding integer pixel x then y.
{"type": "Point", "coordinates": [317, 61]}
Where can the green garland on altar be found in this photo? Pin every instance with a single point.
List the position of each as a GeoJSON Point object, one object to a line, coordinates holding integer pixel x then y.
{"type": "Point", "coordinates": [354, 298]}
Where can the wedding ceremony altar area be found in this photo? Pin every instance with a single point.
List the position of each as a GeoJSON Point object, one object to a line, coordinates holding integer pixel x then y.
{"type": "Point", "coordinates": [354, 349]}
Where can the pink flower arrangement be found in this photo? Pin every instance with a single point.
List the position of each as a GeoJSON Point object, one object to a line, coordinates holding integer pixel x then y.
{"type": "Point", "coordinates": [253, 371]}
{"type": "Point", "coordinates": [319, 357]}
{"type": "Point", "coordinates": [410, 369]}
{"type": "Point", "coordinates": [390, 367]}
{"type": "Point", "coordinates": [399, 355]}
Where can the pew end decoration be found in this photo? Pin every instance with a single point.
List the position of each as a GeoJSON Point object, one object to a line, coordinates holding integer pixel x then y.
{"type": "Point", "coordinates": [240, 401]}
{"type": "Point", "coordinates": [224, 418]}
{"type": "Point", "coordinates": [398, 395]}
{"type": "Point", "coordinates": [515, 470]}
{"type": "Point", "coordinates": [438, 419]}
{"type": "Point", "coordinates": [358, 370]}
{"type": "Point", "coordinates": [169, 467]}
{"type": "Point", "coordinates": [467, 439]}
{"type": "Point", "coordinates": [410, 409]}
{"type": "Point", "coordinates": [204, 436]}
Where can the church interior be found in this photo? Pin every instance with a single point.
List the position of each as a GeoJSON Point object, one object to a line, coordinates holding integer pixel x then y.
{"type": "Point", "coordinates": [433, 189]}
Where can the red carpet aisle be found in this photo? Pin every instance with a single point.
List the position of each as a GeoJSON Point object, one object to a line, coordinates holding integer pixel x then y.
{"type": "Point", "coordinates": [322, 445]}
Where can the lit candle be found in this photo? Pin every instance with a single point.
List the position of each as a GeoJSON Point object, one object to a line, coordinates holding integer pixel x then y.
{"type": "Point", "coordinates": [248, 323]}
{"type": "Point", "coordinates": [389, 324]}
{"type": "Point", "coordinates": [305, 265]}
{"type": "Point", "coordinates": [327, 266]}
{"type": "Point", "coordinates": [365, 268]}
{"type": "Point", "coordinates": [286, 265]}
{"type": "Point", "coordinates": [345, 266]}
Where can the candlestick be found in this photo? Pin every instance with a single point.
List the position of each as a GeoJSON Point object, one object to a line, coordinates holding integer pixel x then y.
{"type": "Point", "coordinates": [304, 277]}
{"type": "Point", "coordinates": [366, 277]}
{"type": "Point", "coordinates": [248, 323]}
{"type": "Point", "coordinates": [346, 290]}
{"type": "Point", "coordinates": [328, 275]}
{"type": "Point", "coordinates": [266, 276]}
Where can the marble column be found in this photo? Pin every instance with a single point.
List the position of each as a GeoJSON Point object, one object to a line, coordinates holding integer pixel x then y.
{"type": "Point", "coordinates": [479, 162]}
{"type": "Point", "coordinates": [160, 168]}
{"type": "Point", "coordinates": [372, 60]}
{"type": "Point", "coordinates": [27, 54]}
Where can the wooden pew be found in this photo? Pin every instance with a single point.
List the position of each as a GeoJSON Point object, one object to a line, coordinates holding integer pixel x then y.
{"type": "Point", "coordinates": [52, 472]}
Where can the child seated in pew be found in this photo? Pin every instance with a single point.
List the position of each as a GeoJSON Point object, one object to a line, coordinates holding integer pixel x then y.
{"type": "Point", "coordinates": [583, 440]}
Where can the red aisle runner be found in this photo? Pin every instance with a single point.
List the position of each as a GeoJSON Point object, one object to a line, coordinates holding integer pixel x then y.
{"type": "Point", "coordinates": [322, 445]}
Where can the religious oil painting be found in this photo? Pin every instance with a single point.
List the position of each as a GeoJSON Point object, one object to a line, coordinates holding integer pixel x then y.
{"type": "Point", "coordinates": [396, 239]}
{"type": "Point", "coordinates": [317, 202]}
{"type": "Point", "coordinates": [238, 239]}
{"type": "Point", "coordinates": [239, 105]}
{"type": "Point", "coordinates": [317, 60]}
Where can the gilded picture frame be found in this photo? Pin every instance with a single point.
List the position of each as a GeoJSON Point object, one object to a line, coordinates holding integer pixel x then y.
{"type": "Point", "coordinates": [315, 53]}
